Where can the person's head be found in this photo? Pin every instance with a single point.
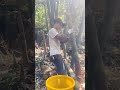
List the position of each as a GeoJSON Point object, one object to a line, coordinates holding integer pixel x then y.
{"type": "Point", "coordinates": [58, 24]}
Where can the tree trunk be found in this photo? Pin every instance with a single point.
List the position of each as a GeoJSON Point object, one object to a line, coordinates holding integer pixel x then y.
{"type": "Point", "coordinates": [44, 41]}
{"type": "Point", "coordinates": [56, 8]}
{"type": "Point", "coordinates": [52, 10]}
{"type": "Point", "coordinates": [14, 60]}
{"type": "Point", "coordinates": [22, 76]}
{"type": "Point", "coordinates": [94, 62]}
{"type": "Point", "coordinates": [81, 29]}
{"type": "Point", "coordinates": [1, 58]}
{"type": "Point", "coordinates": [106, 30]}
{"type": "Point", "coordinates": [75, 56]}
{"type": "Point", "coordinates": [71, 17]}
{"type": "Point", "coordinates": [49, 11]}
{"type": "Point", "coordinates": [69, 69]}
{"type": "Point", "coordinates": [64, 46]}
{"type": "Point", "coordinates": [46, 17]}
{"type": "Point", "coordinates": [24, 43]}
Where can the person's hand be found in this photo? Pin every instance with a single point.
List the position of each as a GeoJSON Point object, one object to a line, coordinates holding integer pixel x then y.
{"type": "Point", "coordinates": [70, 31]}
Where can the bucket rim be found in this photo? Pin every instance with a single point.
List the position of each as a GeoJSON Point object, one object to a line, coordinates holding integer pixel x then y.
{"type": "Point", "coordinates": [72, 86]}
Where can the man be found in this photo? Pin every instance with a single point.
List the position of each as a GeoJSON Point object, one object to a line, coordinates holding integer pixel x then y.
{"type": "Point", "coordinates": [55, 40]}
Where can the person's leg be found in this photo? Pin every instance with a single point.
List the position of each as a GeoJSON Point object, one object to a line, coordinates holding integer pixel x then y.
{"type": "Point", "coordinates": [59, 64]}
{"type": "Point", "coordinates": [52, 59]}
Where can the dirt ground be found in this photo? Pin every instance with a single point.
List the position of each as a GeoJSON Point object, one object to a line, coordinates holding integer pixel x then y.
{"type": "Point", "coordinates": [111, 59]}
{"type": "Point", "coordinates": [48, 70]}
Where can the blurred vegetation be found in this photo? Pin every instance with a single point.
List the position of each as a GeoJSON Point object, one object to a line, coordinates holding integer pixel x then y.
{"type": "Point", "coordinates": [17, 45]}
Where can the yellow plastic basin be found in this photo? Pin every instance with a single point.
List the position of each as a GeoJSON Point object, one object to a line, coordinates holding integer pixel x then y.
{"type": "Point", "coordinates": [60, 82]}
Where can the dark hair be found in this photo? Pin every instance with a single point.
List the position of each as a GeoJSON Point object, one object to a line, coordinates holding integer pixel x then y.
{"type": "Point", "coordinates": [58, 20]}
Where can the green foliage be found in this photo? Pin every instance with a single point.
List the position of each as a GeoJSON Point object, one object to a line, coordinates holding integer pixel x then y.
{"type": "Point", "coordinates": [40, 13]}
{"type": "Point", "coordinates": [40, 16]}
{"type": "Point", "coordinates": [61, 9]}
{"type": "Point", "coordinates": [40, 19]}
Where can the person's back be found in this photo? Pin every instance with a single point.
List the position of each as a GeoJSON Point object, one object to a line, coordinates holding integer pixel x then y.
{"type": "Point", "coordinates": [53, 42]}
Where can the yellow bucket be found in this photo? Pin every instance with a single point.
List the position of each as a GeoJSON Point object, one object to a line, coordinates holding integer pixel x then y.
{"type": "Point", "coordinates": [60, 82]}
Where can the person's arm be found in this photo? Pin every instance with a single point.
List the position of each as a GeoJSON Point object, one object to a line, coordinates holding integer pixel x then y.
{"type": "Point", "coordinates": [63, 38]}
